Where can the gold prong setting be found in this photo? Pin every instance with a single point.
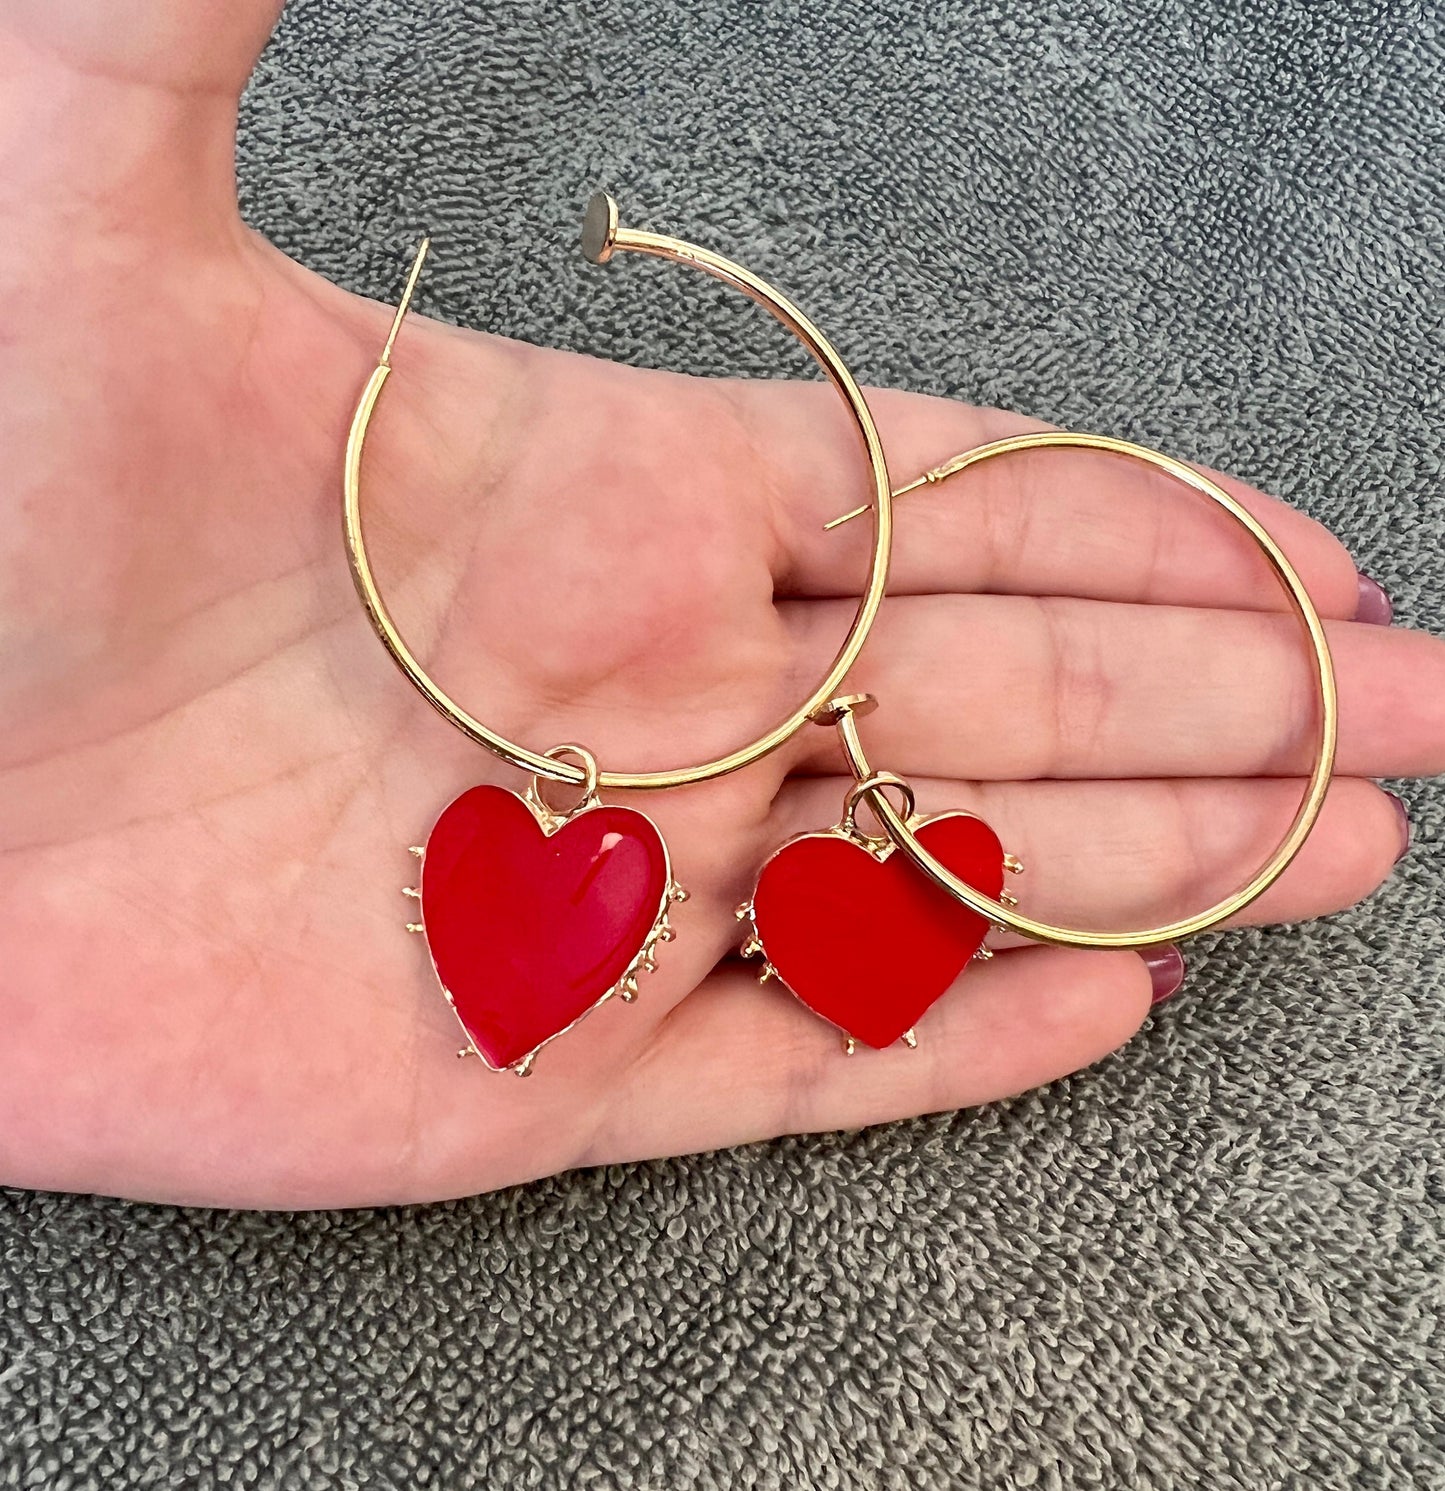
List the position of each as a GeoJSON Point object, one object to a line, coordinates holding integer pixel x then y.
{"type": "Point", "coordinates": [752, 946]}
{"type": "Point", "coordinates": [414, 894]}
{"type": "Point", "coordinates": [1014, 866]}
{"type": "Point", "coordinates": [627, 988]}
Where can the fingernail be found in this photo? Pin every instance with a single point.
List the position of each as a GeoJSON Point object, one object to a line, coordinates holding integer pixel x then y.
{"type": "Point", "coordinates": [1407, 829]}
{"type": "Point", "coordinates": [1373, 605]}
{"type": "Point", "coordinates": [1166, 971]}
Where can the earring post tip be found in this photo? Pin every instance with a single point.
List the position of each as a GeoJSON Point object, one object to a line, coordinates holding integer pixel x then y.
{"type": "Point", "coordinates": [845, 518]}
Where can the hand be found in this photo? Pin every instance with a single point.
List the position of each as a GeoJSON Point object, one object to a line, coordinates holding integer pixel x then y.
{"type": "Point", "coordinates": [210, 771]}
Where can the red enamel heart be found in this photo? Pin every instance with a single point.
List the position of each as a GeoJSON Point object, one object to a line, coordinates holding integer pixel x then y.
{"type": "Point", "coordinates": [870, 944]}
{"type": "Point", "coordinates": [528, 931]}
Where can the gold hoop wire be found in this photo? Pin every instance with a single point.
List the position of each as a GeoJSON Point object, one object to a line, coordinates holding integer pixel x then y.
{"type": "Point", "coordinates": [601, 238]}
{"type": "Point", "coordinates": [1319, 780]}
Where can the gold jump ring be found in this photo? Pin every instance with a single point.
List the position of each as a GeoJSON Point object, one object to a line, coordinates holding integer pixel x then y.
{"type": "Point", "coordinates": [601, 238]}
{"type": "Point", "coordinates": [872, 787]}
{"type": "Point", "coordinates": [589, 782]}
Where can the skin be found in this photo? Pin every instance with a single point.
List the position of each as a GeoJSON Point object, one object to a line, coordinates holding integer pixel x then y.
{"type": "Point", "coordinates": [210, 771]}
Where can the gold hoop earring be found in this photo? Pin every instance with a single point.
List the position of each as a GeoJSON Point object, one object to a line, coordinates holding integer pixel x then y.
{"type": "Point", "coordinates": [498, 865]}
{"type": "Point", "coordinates": [814, 879]}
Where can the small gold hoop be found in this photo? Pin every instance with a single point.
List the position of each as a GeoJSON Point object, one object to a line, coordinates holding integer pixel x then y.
{"type": "Point", "coordinates": [1319, 779]}
{"type": "Point", "coordinates": [589, 782]}
{"type": "Point", "coordinates": [872, 786]}
{"type": "Point", "coordinates": [601, 239]}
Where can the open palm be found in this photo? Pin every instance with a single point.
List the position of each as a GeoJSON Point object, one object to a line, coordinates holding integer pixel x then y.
{"type": "Point", "coordinates": [209, 772]}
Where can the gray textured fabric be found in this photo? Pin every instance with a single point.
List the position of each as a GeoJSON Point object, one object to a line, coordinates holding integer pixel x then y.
{"type": "Point", "coordinates": [1214, 1260]}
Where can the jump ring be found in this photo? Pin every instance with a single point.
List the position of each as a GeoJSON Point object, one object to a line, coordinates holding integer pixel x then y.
{"type": "Point", "coordinates": [589, 782]}
{"type": "Point", "coordinates": [872, 787]}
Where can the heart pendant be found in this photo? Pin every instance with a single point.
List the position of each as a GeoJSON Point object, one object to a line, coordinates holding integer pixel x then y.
{"type": "Point", "coordinates": [534, 918]}
{"type": "Point", "coordinates": [860, 935]}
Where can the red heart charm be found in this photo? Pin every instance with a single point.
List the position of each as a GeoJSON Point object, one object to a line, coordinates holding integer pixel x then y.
{"type": "Point", "coordinates": [865, 939]}
{"type": "Point", "coordinates": [530, 929]}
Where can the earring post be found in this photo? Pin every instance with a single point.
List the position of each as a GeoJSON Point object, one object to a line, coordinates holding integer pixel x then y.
{"type": "Point", "coordinates": [405, 304]}
{"type": "Point", "coordinates": [937, 474]}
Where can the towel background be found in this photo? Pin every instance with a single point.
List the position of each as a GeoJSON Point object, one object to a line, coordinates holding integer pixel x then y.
{"type": "Point", "coordinates": [1214, 1260]}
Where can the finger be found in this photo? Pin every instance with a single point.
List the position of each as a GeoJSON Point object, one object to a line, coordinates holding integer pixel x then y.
{"type": "Point", "coordinates": [1048, 522]}
{"type": "Point", "coordinates": [1116, 855]}
{"type": "Point", "coordinates": [1007, 688]}
{"type": "Point", "coordinates": [123, 117]}
{"type": "Point", "coordinates": [187, 47]}
{"type": "Point", "coordinates": [735, 1063]}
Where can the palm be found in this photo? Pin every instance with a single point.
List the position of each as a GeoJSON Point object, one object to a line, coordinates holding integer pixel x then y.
{"type": "Point", "coordinates": [211, 773]}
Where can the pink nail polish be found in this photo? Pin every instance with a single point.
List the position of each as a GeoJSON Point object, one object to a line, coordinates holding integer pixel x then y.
{"type": "Point", "coordinates": [1166, 972]}
{"type": "Point", "coordinates": [1407, 828]}
{"type": "Point", "coordinates": [1373, 605]}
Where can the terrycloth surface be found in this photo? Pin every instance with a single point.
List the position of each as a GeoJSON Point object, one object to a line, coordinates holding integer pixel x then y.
{"type": "Point", "coordinates": [1216, 1259]}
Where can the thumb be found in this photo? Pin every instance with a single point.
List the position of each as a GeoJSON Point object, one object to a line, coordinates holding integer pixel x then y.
{"type": "Point", "coordinates": [103, 103]}
{"type": "Point", "coordinates": [183, 46]}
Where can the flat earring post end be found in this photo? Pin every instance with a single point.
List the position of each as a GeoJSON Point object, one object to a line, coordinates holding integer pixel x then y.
{"type": "Point", "coordinates": [599, 228]}
{"type": "Point", "coordinates": [842, 705]}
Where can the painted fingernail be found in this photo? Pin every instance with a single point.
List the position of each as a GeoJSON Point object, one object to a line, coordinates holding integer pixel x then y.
{"type": "Point", "coordinates": [1373, 605]}
{"type": "Point", "coordinates": [1407, 828]}
{"type": "Point", "coordinates": [1166, 972]}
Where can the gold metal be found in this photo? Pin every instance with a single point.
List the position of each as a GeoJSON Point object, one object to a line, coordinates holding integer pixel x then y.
{"type": "Point", "coordinates": [848, 827]}
{"type": "Point", "coordinates": [850, 1045]}
{"type": "Point", "coordinates": [834, 709]}
{"type": "Point", "coordinates": [1001, 912]}
{"type": "Point", "coordinates": [417, 850]}
{"type": "Point", "coordinates": [552, 818]}
{"type": "Point", "coordinates": [405, 303]}
{"type": "Point", "coordinates": [415, 927]}
{"type": "Point", "coordinates": [939, 473]}
{"type": "Point", "coordinates": [411, 891]}
{"type": "Point", "coordinates": [604, 239]}
{"type": "Point", "coordinates": [600, 227]}
{"type": "Point", "coordinates": [910, 1038]}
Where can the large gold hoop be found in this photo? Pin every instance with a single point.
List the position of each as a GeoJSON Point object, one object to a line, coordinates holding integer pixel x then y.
{"type": "Point", "coordinates": [1309, 809]}
{"type": "Point", "coordinates": [601, 238]}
